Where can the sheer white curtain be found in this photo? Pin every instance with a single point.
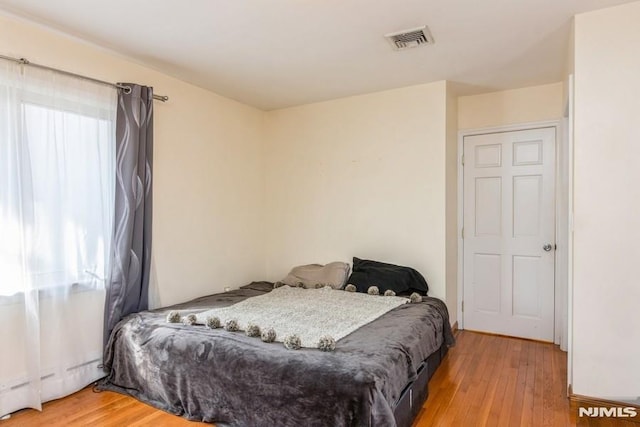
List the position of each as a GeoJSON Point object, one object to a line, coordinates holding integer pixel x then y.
{"type": "Point", "coordinates": [57, 167]}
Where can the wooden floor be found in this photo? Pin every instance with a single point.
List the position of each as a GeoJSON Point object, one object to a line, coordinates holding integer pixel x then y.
{"type": "Point", "coordinates": [485, 380]}
{"type": "Point", "coordinates": [489, 380]}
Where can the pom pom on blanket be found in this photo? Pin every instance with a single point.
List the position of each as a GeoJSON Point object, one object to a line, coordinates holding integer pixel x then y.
{"type": "Point", "coordinates": [389, 293]}
{"type": "Point", "coordinates": [190, 320]}
{"type": "Point", "coordinates": [319, 286]}
{"type": "Point", "coordinates": [300, 285]}
{"type": "Point", "coordinates": [373, 290]}
{"type": "Point", "coordinates": [268, 335]}
{"type": "Point", "coordinates": [231, 325]}
{"type": "Point", "coordinates": [350, 288]}
{"type": "Point", "coordinates": [277, 285]}
{"type": "Point", "coordinates": [173, 317]}
{"type": "Point", "coordinates": [213, 322]}
{"type": "Point", "coordinates": [252, 330]}
{"type": "Point", "coordinates": [326, 343]}
{"type": "Point", "coordinates": [292, 342]}
{"type": "Point", "coordinates": [415, 297]}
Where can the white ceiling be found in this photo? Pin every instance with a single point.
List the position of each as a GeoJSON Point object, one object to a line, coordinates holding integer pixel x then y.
{"type": "Point", "coordinates": [278, 53]}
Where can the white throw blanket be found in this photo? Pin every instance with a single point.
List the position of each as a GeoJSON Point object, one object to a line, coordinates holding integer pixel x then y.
{"type": "Point", "coordinates": [307, 313]}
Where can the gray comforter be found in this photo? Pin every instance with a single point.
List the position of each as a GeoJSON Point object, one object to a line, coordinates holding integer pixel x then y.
{"type": "Point", "coordinates": [231, 379]}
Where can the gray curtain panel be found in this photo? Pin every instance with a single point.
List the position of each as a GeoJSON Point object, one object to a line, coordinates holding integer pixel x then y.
{"type": "Point", "coordinates": [127, 291]}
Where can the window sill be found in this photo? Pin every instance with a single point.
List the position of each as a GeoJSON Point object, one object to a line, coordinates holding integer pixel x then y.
{"type": "Point", "coordinates": [76, 288]}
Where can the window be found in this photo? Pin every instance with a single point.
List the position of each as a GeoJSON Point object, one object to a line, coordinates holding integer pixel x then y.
{"type": "Point", "coordinates": [57, 163]}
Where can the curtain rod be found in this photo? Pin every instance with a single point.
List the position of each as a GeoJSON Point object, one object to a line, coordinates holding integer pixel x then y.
{"type": "Point", "coordinates": [126, 88]}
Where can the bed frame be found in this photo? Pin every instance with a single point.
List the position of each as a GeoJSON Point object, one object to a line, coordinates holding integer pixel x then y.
{"type": "Point", "coordinates": [416, 392]}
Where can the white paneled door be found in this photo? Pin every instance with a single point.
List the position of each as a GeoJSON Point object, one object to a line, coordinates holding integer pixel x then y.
{"type": "Point", "coordinates": [508, 233]}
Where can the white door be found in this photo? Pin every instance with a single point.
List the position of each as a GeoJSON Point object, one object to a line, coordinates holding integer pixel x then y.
{"type": "Point", "coordinates": [508, 233]}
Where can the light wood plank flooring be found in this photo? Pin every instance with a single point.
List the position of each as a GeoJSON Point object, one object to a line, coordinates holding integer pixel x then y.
{"type": "Point", "coordinates": [485, 380]}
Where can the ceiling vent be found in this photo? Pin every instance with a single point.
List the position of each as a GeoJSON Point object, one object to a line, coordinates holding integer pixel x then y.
{"type": "Point", "coordinates": [414, 37]}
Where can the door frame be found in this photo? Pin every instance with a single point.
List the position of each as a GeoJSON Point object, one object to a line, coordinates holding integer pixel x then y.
{"type": "Point", "coordinates": [561, 286]}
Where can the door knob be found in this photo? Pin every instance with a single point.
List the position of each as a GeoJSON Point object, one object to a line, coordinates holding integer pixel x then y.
{"type": "Point", "coordinates": [547, 247]}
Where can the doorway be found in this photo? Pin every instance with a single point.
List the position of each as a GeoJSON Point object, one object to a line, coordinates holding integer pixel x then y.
{"type": "Point", "coordinates": [508, 232]}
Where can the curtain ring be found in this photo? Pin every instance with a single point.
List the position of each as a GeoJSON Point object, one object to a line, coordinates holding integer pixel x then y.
{"type": "Point", "coordinates": [126, 89]}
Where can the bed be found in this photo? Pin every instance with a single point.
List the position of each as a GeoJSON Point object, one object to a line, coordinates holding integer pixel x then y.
{"type": "Point", "coordinates": [377, 375]}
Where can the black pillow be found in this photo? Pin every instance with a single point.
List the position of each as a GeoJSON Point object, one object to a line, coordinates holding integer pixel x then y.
{"type": "Point", "coordinates": [401, 280]}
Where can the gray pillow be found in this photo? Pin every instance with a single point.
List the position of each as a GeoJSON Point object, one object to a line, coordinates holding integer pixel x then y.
{"type": "Point", "coordinates": [311, 276]}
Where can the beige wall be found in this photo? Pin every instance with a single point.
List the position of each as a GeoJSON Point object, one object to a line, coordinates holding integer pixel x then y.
{"type": "Point", "coordinates": [208, 189]}
{"type": "Point", "coordinates": [360, 176]}
{"type": "Point", "coordinates": [451, 207]}
{"type": "Point", "coordinates": [606, 291]}
{"type": "Point", "coordinates": [525, 105]}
